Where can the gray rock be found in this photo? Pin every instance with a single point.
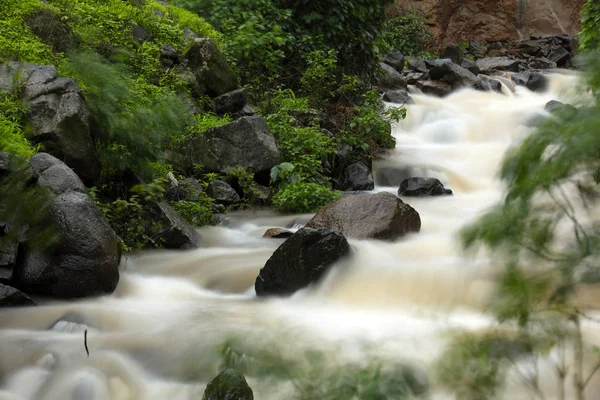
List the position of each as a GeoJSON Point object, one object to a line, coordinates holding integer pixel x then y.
{"type": "Point", "coordinates": [560, 56]}
{"type": "Point", "coordinates": [398, 97]}
{"type": "Point", "coordinates": [453, 74]}
{"type": "Point", "coordinates": [542, 63]}
{"type": "Point", "coordinates": [228, 385]}
{"type": "Point", "coordinates": [454, 53]}
{"type": "Point", "coordinates": [189, 35]}
{"type": "Point", "coordinates": [435, 88]}
{"type": "Point", "coordinates": [417, 64]}
{"type": "Point", "coordinates": [392, 176]}
{"type": "Point", "coordinates": [470, 65]}
{"type": "Point", "coordinates": [246, 142]}
{"type": "Point", "coordinates": [391, 79]}
{"type": "Point", "coordinates": [436, 62]}
{"type": "Point", "coordinates": [395, 59]}
{"type": "Point", "coordinates": [85, 260]}
{"type": "Point", "coordinates": [413, 77]}
{"type": "Point", "coordinates": [222, 192]}
{"type": "Point", "coordinates": [488, 84]}
{"type": "Point", "coordinates": [533, 81]}
{"type": "Point", "coordinates": [11, 297]}
{"type": "Point", "coordinates": [55, 175]}
{"type": "Point", "coordinates": [529, 47]}
{"type": "Point", "coordinates": [211, 70]}
{"type": "Point", "coordinates": [419, 187]}
{"type": "Point", "coordinates": [301, 260]}
{"type": "Point", "coordinates": [368, 216]}
{"type": "Point", "coordinates": [477, 49]}
{"type": "Point", "coordinates": [561, 109]}
{"type": "Point", "coordinates": [357, 176]}
{"type": "Point", "coordinates": [175, 232]}
{"type": "Point", "coordinates": [187, 190]}
{"type": "Point", "coordinates": [231, 102]}
{"type": "Point", "coordinates": [490, 64]}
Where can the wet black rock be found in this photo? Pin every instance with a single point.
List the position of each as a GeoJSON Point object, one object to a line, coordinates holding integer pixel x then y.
{"type": "Point", "coordinates": [300, 261]}
{"type": "Point", "coordinates": [541, 63]}
{"type": "Point", "coordinates": [172, 230]}
{"type": "Point", "coordinates": [533, 81]}
{"type": "Point", "coordinates": [471, 66]}
{"type": "Point", "coordinates": [453, 74]}
{"type": "Point", "coordinates": [11, 297]}
{"type": "Point", "coordinates": [356, 176]}
{"type": "Point", "coordinates": [228, 385]}
{"type": "Point", "coordinates": [420, 187]}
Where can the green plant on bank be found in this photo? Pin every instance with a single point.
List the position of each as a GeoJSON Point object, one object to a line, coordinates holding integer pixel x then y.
{"type": "Point", "coordinates": [132, 118]}
{"type": "Point", "coordinates": [304, 197]}
{"type": "Point", "coordinates": [12, 139]}
{"type": "Point", "coordinates": [197, 213]}
{"type": "Point", "coordinates": [590, 24]}
{"type": "Point", "coordinates": [407, 32]}
{"type": "Point", "coordinates": [549, 243]}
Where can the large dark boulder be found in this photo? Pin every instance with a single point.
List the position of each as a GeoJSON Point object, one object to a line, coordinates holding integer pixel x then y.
{"type": "Point", "coordinates": [529, 47]}
{"type": "Point", "coordinates": [85, 258]}
{"type": "Point", "coordinates": [395, 59]}
{"type": "Point", "coordinates": [417, 64]}
{"type": "Point", "coordinates": [356, 176]}
{"type": "Point", "coordinates": [222, 192]}
{"type": "Point", "coordinates": [453, 74]}
{"type": "Point", "coordinates": [246, 142]}
{"type": "Point", "coordinates": [60, 119]}
{"type": "Point", "coordinates": [559, 55]}
{"type": "Point", "coordinates": [228, 385]}
{"type": "Point", "coordinates": [490, 64]}
{"type": "Point", "coordinates": [398, 96]}
{"type": "Point", "coordinates": [213, 74]}
{"type": "Point", "coordinates": [11, 297]}
{"type": "Point", "coordinates": [300, 261]}
{"type": "Point", "coordinates": [390, 78]}
{"type": "Point", "coordinates": [420, 187]}
{"type": "Point", "coordinates": [368, 216]}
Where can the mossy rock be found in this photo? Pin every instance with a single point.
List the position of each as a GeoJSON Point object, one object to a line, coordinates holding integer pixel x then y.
{"type": "Point", "coordinates": [213, 74]}
{"type": "Point", "coordinates": [228, 385]}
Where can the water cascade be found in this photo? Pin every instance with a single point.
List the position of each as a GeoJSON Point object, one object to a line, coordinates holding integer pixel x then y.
{"type": "Point", "coordinates": [161, 334]}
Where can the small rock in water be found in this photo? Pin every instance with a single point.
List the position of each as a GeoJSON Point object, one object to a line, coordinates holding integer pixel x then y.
{"type": "Point", "coordinates": [278, 233]}
{"type": "Point", "coordinates": [228, 385]}
{"type": "Point", "coordinates": [419, 187]}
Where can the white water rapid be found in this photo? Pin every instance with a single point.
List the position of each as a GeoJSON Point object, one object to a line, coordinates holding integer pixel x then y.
{"type": "Point", "coordinates": [160, 335]}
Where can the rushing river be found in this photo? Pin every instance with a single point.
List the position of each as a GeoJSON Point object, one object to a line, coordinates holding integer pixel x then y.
{"type": "Point", "coordinates": [160, 335]}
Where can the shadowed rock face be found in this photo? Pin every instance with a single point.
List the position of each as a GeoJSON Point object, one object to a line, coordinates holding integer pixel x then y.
{"type": "Point", "coordinates": [453, 21]}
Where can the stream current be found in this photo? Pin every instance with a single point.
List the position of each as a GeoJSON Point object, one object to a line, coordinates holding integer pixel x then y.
{"type": "Point", "coordinates": [160, 336]}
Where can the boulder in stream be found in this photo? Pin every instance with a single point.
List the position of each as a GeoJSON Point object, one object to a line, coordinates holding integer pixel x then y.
{"type": "Point", "coordinates": [11, 297]}
{"type": "Point", "coordinates": [420, 187]}
{"type": "Point", "coordinates": [301, 260]}
{"type": "Point", "coordinates": [391, 79]}
{"type": "Point", "coordinates": [368, 216]}
{"type": "Point", "coordinates": [278, 233]}
{"type": "Point", "coordinates": [228, 385]}
{"type": "Point", "coordinates": [356, 176]}
{"type": "Point", "coordinates": [490, 64]}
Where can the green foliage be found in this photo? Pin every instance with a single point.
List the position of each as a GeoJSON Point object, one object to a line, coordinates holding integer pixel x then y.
{"type": "Point", "coordinates": [590, 26]}
{"type": "Point", "coordinates": [303, 146]}
{"type": "Point", "coordinates": [304, 197]}
{"type": "Point", "coordinates": [197, 213]}
{"type": "Point", "coordinates": [132, 218]}
{"type": "Point", "coordinates": [11, 133]}
{"type": "Point", "coordinates": [407, 32]}
{"type": "Point", "coordinates": [132, 117]}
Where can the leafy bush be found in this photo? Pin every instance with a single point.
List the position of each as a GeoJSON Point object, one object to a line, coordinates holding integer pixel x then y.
{"type": "Point", "coordinates": [590, 26]}
{"type": "Point", "coordinates": [197, 213]}
{"type": "Point", "coordinates": [304, 197]}
{"type": "Point", "coordinates": [11, 134]}
{"type": "Point", "coordinates": [132, 118]}
{"type": "Point", "coordinates": [407, 32]}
